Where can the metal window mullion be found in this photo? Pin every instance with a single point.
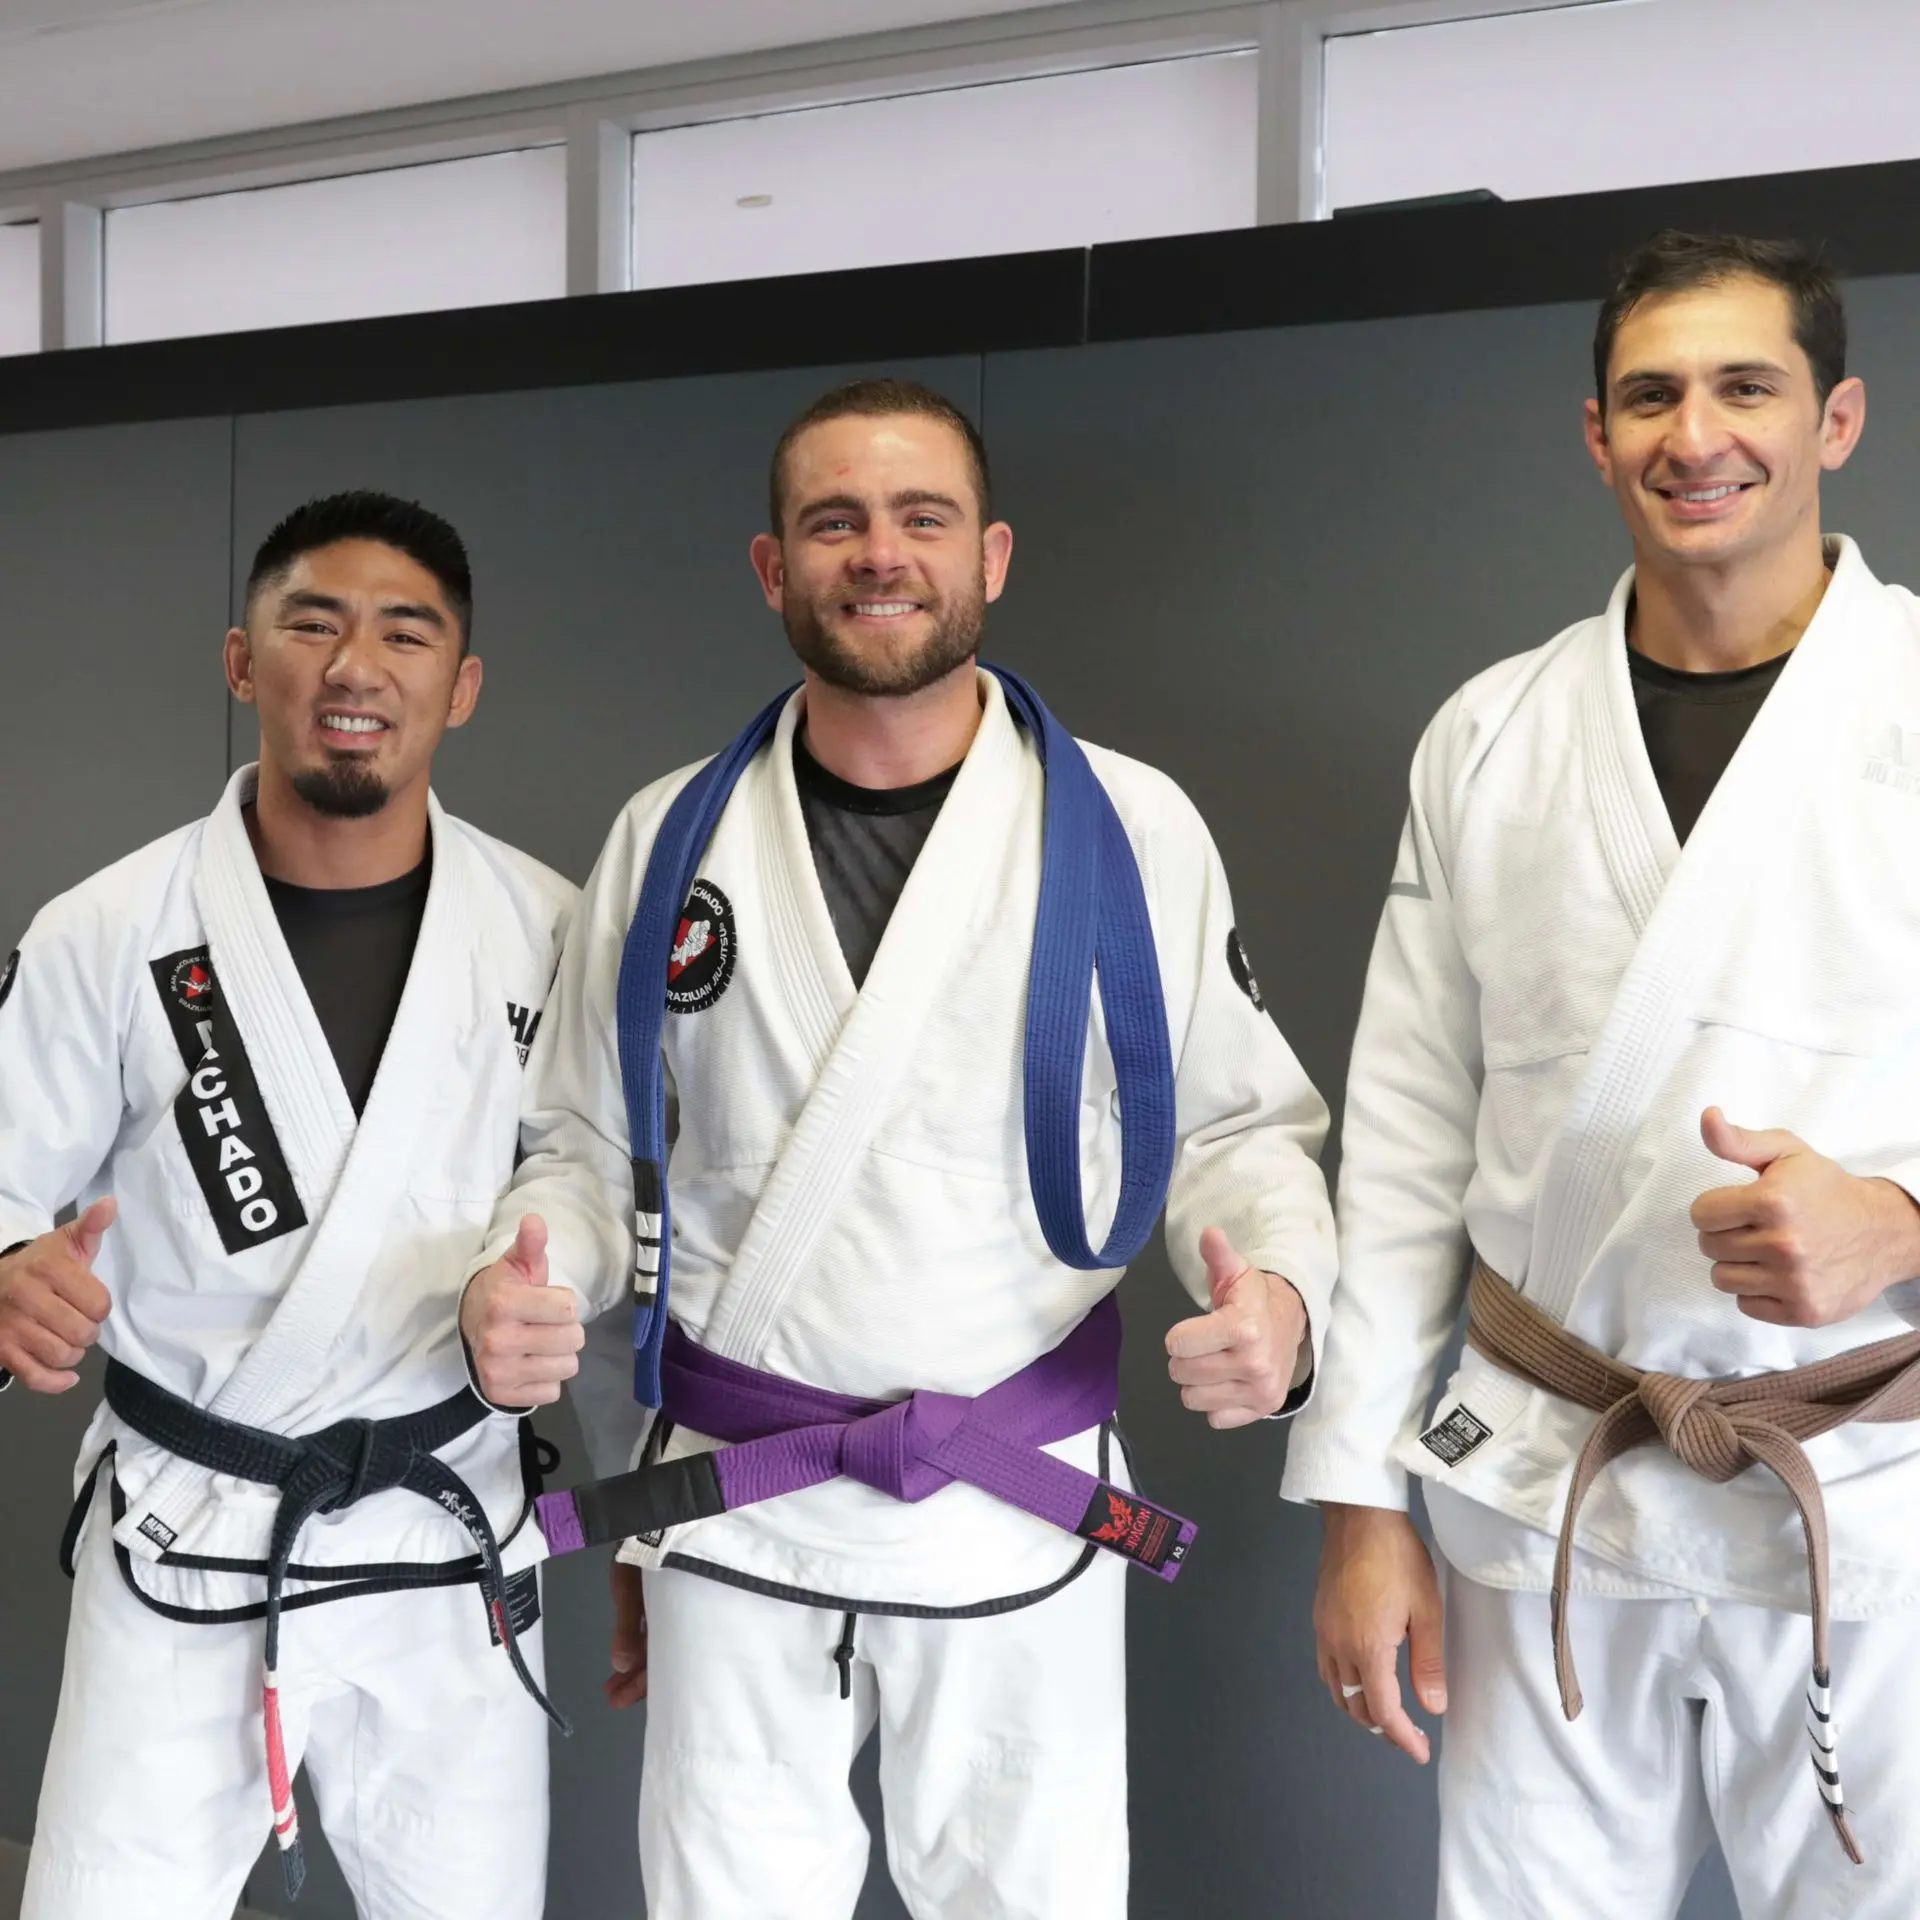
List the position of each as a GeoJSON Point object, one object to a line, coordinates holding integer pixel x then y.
{"type": "Point", "coordinates": [72, 288]}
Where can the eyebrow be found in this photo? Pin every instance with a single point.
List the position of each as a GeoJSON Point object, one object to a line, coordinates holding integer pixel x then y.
{"type": "Point", "coordinates": [898, 502]}
{"type": "Point", "coordinates": [1645, 376]}
{"type": "Point", "coordinates": [308, 601]}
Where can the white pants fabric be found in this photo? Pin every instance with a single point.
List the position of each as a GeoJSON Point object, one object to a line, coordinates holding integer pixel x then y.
{"type": "Point", "coordinates": [428, 1760]}
{"type": "Point", "coordinates": [1694, 1726]}
{"type": "Point", "coordinates": [1003, 1756]}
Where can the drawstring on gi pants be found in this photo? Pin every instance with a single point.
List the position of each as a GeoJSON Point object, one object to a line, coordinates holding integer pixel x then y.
{"type": "Point", "coordinates": [842, 1657]}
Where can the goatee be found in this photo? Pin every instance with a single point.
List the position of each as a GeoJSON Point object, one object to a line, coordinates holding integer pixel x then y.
{"type": "Point", "coordinates": [344, 789]}
{"type": "Point", "coordinates": [882, 673]}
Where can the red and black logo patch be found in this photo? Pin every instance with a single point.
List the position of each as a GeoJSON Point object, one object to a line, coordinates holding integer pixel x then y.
{"type": "Point", "coordinates": [1123, 1523]}
{"type": "Point", "coordinates": [1242, 968]}
{"type": "Point", "coordinates": [6, 975]}
{"type": "Point", "coordinates": [706, 947]}
{"type": "Point", "coordinates": [190, 984]}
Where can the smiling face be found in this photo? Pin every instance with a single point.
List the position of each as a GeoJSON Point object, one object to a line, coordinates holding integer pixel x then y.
{"type": "Point", "coordinates": [883, 571]}
{"type": "Point", "coordinates": [354, 657]}
{"type": "Point", "coordinates": [1714, 437]}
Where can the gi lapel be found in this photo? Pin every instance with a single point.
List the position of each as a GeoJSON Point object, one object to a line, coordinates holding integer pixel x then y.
{"type": "Point", "coordinates": [1678, 921]}
{"type": "Point", "coordinates": [863, 1059]}
{"type": "Point", "coordinates": [348, 1177]}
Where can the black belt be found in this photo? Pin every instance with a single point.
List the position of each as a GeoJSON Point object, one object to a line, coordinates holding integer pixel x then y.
{"type": "Point", "coordinates": [316, 1473]}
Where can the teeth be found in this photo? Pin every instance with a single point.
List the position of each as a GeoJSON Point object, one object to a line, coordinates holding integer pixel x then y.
{"type": "Point", "coordinates": [353, 723]}
{"type": "Point", "coordinates": [1709, 493]}
{"type": "Point", "coordinates": [875, 609]}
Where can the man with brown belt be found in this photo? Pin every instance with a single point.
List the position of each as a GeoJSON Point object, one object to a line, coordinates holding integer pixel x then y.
{"type": "Point", "coordinates": [1658, 872]}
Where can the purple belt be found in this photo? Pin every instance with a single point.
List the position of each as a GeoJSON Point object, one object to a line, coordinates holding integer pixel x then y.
{"type": "Point", "coordinates": [782, 1436]}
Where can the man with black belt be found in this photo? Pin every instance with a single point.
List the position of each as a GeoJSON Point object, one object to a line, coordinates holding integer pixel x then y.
{"type": "Point", "coordinates": [276, 1059]}
{"type": "Point", "coordinates": [1658, 877]}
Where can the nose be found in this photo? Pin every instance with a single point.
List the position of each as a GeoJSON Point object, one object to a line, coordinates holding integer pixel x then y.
{"type": "Point", "coordinates": [355, 665]}
{"type": "Point", "coordinates": [1696, 432]}
{"type": "Point", "coordinates": [882, 554]}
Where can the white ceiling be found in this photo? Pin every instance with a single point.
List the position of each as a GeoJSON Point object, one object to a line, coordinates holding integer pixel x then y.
{"type": "Point", "coordinates": [82, 77]}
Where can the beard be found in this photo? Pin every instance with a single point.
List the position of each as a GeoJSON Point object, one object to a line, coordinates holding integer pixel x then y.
{"type": "Point", "coordinates": [885, 674]}
{"type": "Point", "coordinates": [343, 789]}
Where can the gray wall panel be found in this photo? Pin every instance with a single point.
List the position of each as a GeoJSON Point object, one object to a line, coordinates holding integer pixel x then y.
{"type": "Point", "coordinates": [113, 598]}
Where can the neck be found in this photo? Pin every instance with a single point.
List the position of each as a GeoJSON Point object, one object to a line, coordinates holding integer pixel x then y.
{"type": "Point", "coordinates": [892, 740]}
{"type": "Point", "coordinates": [1719, 619]}
{"type": "Point", "coordinates": [294, 843]}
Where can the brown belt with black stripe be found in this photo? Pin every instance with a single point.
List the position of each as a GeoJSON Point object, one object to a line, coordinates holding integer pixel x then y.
{"type": "Point", "coordinates": [1719, 1428]}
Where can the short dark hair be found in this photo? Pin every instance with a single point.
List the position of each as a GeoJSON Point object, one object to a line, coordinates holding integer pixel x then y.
{"type": "Point", "coordinates": [362, 514]}
{"type": "Point", "coordinates": [875, 399]}
{"type": "Point", "coordinates": [1675, 262]}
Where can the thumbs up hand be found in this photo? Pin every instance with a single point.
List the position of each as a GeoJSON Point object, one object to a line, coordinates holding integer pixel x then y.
{"type": "Point", "coordinates": [1236, 1364]}
{"type": "Point", "coordinates": [524, 1335]}
{"type": "Point", "coordinates": [1806, 1243]}
{"type": "Point", "coordinates": [51, 1304]}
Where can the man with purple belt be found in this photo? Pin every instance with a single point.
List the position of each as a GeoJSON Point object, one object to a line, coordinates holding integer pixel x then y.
{"type": "Point", "coordinates": [883, 1487]}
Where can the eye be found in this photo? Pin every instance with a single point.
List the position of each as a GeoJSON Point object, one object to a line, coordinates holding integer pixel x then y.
{"type": "Point", "coordinates": [926, 520]}
{"type": "Point", "coordinates": [404, 639]}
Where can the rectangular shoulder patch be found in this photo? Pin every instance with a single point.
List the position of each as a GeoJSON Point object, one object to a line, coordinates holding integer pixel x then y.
{"type": "Point", "coordinates": [1452, 1439]}
{"type": "Point", "coordinates": [224, 1125]}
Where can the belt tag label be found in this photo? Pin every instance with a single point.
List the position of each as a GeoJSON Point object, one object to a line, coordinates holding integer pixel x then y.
{"type": "Point", "coordinates": [522, 1596]}
{"type": "Point", "coordinates": [1136, 1528]}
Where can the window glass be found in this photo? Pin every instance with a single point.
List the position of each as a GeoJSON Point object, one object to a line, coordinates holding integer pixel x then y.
{"type": "Point", "coordinates": [20, 288]}
{"type": "Point", "coordinates": [1119, 153]}
{"type": "Point", "coordinates": [458, 233]}
{"type": "Point", "coordinates": [1634, 93]}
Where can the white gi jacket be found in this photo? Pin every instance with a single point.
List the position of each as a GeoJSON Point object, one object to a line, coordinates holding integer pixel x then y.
{"type": "Point", "coordinates": [850, 1196]}
{"type": "Point", "coordinates": [1556, 992]}
{"type": "Point", "coordinates": [294, 1268]}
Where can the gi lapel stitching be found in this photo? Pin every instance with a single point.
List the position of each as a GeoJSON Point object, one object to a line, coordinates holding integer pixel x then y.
{"type": "Point", "coordinates": [351, 1211]}
{"type": "Point", "coordinates": [1579, 1194]}
{"type": "Point", "coordinates": [831, 1137]}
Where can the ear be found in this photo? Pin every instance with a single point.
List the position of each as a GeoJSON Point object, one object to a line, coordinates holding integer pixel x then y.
{"type": "Point", "coordinates": [997, 548]}
{"type": "Point", "coordinates": [1843, 423]}
{"type": "Point", "coordinates": [236, 653]}
{"type": "Point", "coordinates": [770, 567]}
{"type": "Point", "coordinates": [1595, 427]}
{"type": "Point", "coordinates": [466, 691]}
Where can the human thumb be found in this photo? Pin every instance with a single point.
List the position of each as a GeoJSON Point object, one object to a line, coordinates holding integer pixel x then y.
{"type": "Point", "coordinates": [1757, 1147]}
{"type": "Point", "coordinates": [1224, 1265]}
{"type": "Point", "coordinates": [87, 1232]}
{"type": "Point", "coordinates": [527, 1257]}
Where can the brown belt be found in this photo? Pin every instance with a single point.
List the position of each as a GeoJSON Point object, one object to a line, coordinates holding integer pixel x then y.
{"type": "Point", "coordinates": [1718, 1428]}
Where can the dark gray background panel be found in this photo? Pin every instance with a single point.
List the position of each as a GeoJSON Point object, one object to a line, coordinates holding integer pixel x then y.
{"type": "Point", "coordinates": [113, 598]}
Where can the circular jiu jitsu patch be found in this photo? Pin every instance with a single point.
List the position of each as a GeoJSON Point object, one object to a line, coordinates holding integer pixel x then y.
{"type": "Point", "coordinates": [191, 984]}
{"type": "Point", "coordinates": [6, 975]}
{"type": "Point", "coordinates": [704, 950]}
{"type": "Point", "coordinates": [1242, 969]}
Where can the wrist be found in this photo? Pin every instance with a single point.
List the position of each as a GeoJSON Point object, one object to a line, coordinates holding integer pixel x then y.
{"type": "Point", "coordinates": [1900, 1212]}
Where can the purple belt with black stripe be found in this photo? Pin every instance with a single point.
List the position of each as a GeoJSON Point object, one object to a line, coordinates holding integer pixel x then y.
{"type": "Point", "coordinates": [781, 1436]}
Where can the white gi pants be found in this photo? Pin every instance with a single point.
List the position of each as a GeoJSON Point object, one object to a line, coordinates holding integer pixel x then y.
{"type": "Point", "coordinates": [1003, 1756]}
{"type": "Point", "coordinates": [427, 1759]}
{"type": "Point", "coordinates": [1694, 1725]}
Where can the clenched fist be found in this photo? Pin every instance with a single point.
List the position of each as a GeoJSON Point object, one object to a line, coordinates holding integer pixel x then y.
{"type": "Point", "coordinates": [1237, 1364]}
{"type": "Point", "coordinates": [51, 1305]}
{"type": "Point", "coordinates": [524, 1335]}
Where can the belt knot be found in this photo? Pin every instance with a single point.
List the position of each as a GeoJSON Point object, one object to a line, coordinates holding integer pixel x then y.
{"type": "Point", "coordinates": [885, 1450]}
{"type": "Point", "coordinates": [1694, 1425]}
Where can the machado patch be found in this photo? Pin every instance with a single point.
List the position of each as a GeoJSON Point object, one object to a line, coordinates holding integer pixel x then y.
{"type": "Point", "coordinates": [1242, 969]}
{"type": "Point", "coordinates": [705, 950]}
{"type": "Point", "coordinates": [6, 975]}
{"type": "Point", "coordinates": [224, 1125]}
{"type": "Point", "coordinates": [1452, 1439]}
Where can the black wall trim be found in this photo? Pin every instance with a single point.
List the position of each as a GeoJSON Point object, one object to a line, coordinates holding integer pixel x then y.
{"type": "Point", "coordinates": [1367, 266]}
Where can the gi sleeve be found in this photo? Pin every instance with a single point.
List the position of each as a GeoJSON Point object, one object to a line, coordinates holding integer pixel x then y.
{"type": "Point", "coordinates": [60, 1040]}
{"type": "Point", "coordinates": [1249, 1124]}
{"type": "Point", "coordinates": [574, 1170]}
{"type": "Point", "coordinates": [1407, 1156]}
